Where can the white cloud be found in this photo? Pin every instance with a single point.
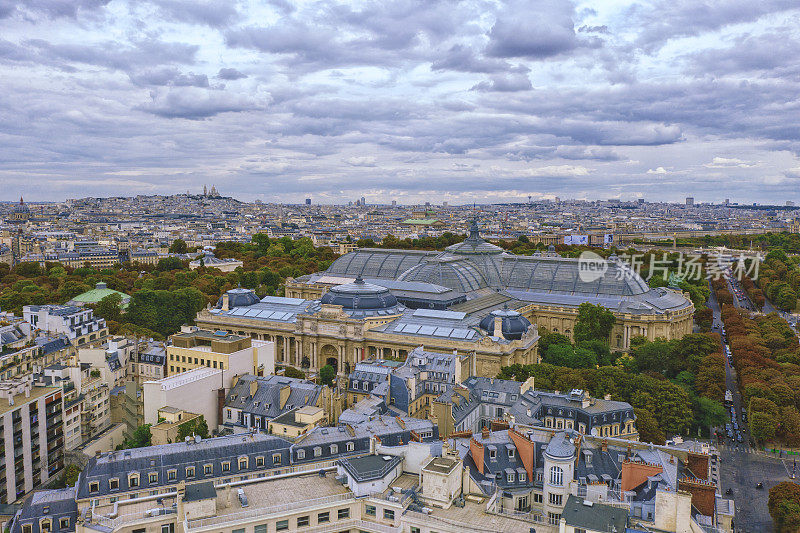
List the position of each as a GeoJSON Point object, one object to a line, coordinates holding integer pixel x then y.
{"type": "Point", "coordinates": [729, 162]}
{"type": "Point", "coordinates": [360, 161]}
{"type": "Point", "coordinates": [660, 171]}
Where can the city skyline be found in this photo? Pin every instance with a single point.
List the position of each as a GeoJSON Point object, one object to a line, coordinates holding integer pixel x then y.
{"type": "Point", "coordinates": [476, 102]}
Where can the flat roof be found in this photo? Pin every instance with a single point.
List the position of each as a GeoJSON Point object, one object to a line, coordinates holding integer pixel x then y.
{"type": "Point", "coordinates": [21, 399]}
{"type": "Point", "coordinates": [441, 465]}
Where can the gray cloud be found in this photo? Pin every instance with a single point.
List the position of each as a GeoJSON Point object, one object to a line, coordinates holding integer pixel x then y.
{"type": "Point", "coordinates": [196, 104]}
{"type": "Point", "coordinates": [49, 8]}
{"type": "Point", "coordinates": [168, 76]}
{"type": "Point", "coordinates": [214, 13]}
{"type": "Point", "coordinates": [230, 74]}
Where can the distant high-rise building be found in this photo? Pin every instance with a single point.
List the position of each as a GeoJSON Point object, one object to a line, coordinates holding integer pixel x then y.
{"type": "Point", "coordinates": [427, 204]}
{"type": "Point", "coordinates": [394, 203]}
{"type": "Point", "coordinates": [689, 200]}
{"type": "Point", "coordinates": [727, 201]}
{"type": "Point", "coordinates": [641, 201]}
{"type": "Point", "coordinates": [445, 205]}
{"type": "Point", "coordinates": [363, 201]}
{"type": "Point", "coordinates": [308, 201]}
{"type": "Point", "coordinates": [789, 203]}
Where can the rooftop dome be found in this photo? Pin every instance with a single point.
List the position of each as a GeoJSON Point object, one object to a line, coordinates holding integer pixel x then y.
{"type": "Point", "coordinates": [240, 298]}
{"type": "Point", "coordinates": [21, 207]}
{"type": "Point", "coordinates": [360, 295]}
{"type": "Point", "coordinates": [560, 447]}
{"type": "Point", "coordinates": [455, 273]}
{"type": "Point", "coordinates": [514, 325]}
{"type": "Point", "coordinates": [474, 244]}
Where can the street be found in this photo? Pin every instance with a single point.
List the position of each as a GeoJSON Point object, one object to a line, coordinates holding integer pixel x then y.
{"type": "Point", "coordinates": [743, 466]}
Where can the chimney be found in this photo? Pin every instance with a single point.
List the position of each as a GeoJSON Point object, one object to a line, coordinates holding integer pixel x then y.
{"type": "Point", "coordinates": [225, 302]}
{"type": "Point", "coordinates": [485, 432]}
{"type": "Point", "coordinates": [604, 445]}
{"type": "Point", "coordinates": [498, 327]}
{"type": "Point", "coordinates": [253, 388]}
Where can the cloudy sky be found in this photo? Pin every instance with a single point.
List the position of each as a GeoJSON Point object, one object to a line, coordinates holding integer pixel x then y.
{"type": "Point", "coordinates": [411, 100]}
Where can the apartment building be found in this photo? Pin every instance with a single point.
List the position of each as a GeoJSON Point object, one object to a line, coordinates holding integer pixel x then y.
{"type": "Point", "coordinates": [32, 428]}
{"type": "Point", "coordinates": [77, 323]}
{"type": "Point", "coordinates": [109, 358]}
{"type": "Point", "coordinates": [194, 348]}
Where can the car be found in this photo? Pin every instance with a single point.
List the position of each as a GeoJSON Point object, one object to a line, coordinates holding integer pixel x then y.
{"type": "Point", "coordinates": [739, 437]}
{"type": "Point", "coordinates": [759, 485]}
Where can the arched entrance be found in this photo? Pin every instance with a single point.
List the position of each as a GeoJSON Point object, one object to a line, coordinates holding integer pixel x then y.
{"type": "Point", "coordinates": [329, 355]}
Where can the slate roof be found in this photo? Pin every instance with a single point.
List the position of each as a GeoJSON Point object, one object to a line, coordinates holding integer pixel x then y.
{"type": "Point", "coordinates": [594, 517]}
{"type": "Point", "coordinates": [178, 456]}
{"type": "Point", "coordinates": [56, 504]}
{"type": "Point", "coordinates": [266, 401]}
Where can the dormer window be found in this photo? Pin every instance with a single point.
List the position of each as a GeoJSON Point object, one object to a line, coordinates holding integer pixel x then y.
{"type": "Point", "coordinates": [189, 471]}
{"type": "Point", "coordinates": [94, 486]}
{"type": "Point", "coordinates": [133, 480]}
{"type": "Point", "coordinates": [243, 463]}
{"type": "Point", "coordinates": [512, 453]}
{"type": "Point", "coordinates": [511, 477]}
{"type": "Point", "coordinates": [113, 484]}
{"type": "Point", "coordinates": [152, 477]}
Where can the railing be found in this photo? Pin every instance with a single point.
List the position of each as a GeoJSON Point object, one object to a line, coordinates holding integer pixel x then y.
{"type": "Point", "coordinates": [361, 525]}
{"type": "Point", "coordinates": [460, 526]}
{"type": "Point", "coordinates": [265, 512]}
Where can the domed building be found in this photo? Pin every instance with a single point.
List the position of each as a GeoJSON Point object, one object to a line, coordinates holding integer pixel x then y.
{"type": "Point", "coordinates": [20, 214]}
{"type": "Point", "coordinates": [473, 298]}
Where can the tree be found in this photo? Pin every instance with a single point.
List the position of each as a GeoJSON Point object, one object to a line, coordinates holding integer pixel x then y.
{"type": "Point", "coordinates": [141, 438]}
{"type": "Point", "coordinates": [109, 307]}
{"type": "Point", "coordinates": [710, 413]}
{"type": "Point", "coordinates": [326, 375]}
{"type": "Point", "coordinates": [169, 263]}
{"type": "Point", "coordinates": [594, 323]}
{"type": "Point", "coordinates": [784, 506]}
{"type": "Point", "coordinates": [647, 426]}
{"type": "Point", "coordinates": [178, 246]}
{"type": "Point", "coordinates": [292, 372]}
{"type": "Point", "coordinates": [198, 427]}
{"type": "Point", "coordinates": [762, 426]}
{"type": "Point", "coordinates": [70, 475]}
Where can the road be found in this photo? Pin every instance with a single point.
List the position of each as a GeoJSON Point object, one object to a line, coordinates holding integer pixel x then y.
{"type": "Point", "coordinates": [742, 466]}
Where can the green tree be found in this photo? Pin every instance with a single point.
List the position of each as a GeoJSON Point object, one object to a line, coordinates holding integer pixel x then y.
{"type": "Point", "coordinates": [70, 475]}
{"type": "Point", "coordinates": [784, 506]}
{"type": "Point", "coordinates": [178, 246]}
{"type": "Point", "coordinates": [292, 372]}
{"type": "Point", "coordinates": [169, 263]}
{"type": "Point", "coordinates": [326, 375]}
{"type": "Point", "coordinates": [594, 323]}
{"type": "Point", "coordinates": [762, 426]}
{"type": "Point", "coordinates": [648, 428]}
{"type": "Point", "coordinates": [710, 413]}
{"type": "Point", "coordinates": [109, 307]}
{"type": "Point", "coordinates": [141, 438]}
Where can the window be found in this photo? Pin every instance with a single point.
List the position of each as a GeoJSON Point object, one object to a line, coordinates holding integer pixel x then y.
{"type": "Point", "coordinates": [369, 510]}
{"type": "Point", "coordinates": [240, 530]}
{"type": "Point", "coordinates": [388, 514]}
{"type": "Point", "coordinates": [317, 451]}
{"type": "Point", "coordinates": [260, 460]}
{"type": "Point", "coordinates": [27, 528]}
{"type": "Point", "coordinates": [133, 480]}
{"type": "Point", "coordinates": [152, 477]}
{"type": "Point", "coordinates": [415, 529]}
{"type": "Point", "coordinates": [303, 521]}
{"type": "Point", "coordinates": [553, 518]}
{"type": "Point", "coordinates": [521, 477]}
{"type": "Point", "coordinates": [226, 466]}
{"type": "Point", "coordinates": [492, 454]}
{"type": "Point", "coordinates": [323, 517]}
{"type": "Point", "coordinates": [63, 523]}
{"type": "Point", "coordinates": [280, 525]}
{"type": "Point", "coordinates": [243, 463]}
{"type": "Point", "coordinates": [140, 530]}
{"type": "Point", "coordinates": [189, 471]}
{"type": "Point", "coordinates": [556, 476]}
{"type": "Point", "coordinates": [343, 513]}
{"type": "Point", "coordinates": [172, 475]}
{"type": "Point", "coordinates": [334, 449]}
{"type": "Point", "coordinates": [276, 459]}
{"type": "Point", "coordinates": [350, 446]}
{"type": "Point", "coordinates": [261, 528]}
{"type": "Point", "coordinates": [511, 477]}
{"type": "Point", "coordinates": [579, 530]}
{"type": "Point", "coordinates": [113, 484]}
{"type": "Point", "coordinates": [555, 499]}
{"type": "Point", "coordinates": [537, 498]}
{"type": "Point", "coordinates": [301, 454]}
{"type": "Point", "coordinates": [168, 528]}
{"type": "Point", "coordinates": [94, 486]}
{"type": "Point", "coordinates": [511, 453]}
{"type": "Point", "coordinates": [208, 469]}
